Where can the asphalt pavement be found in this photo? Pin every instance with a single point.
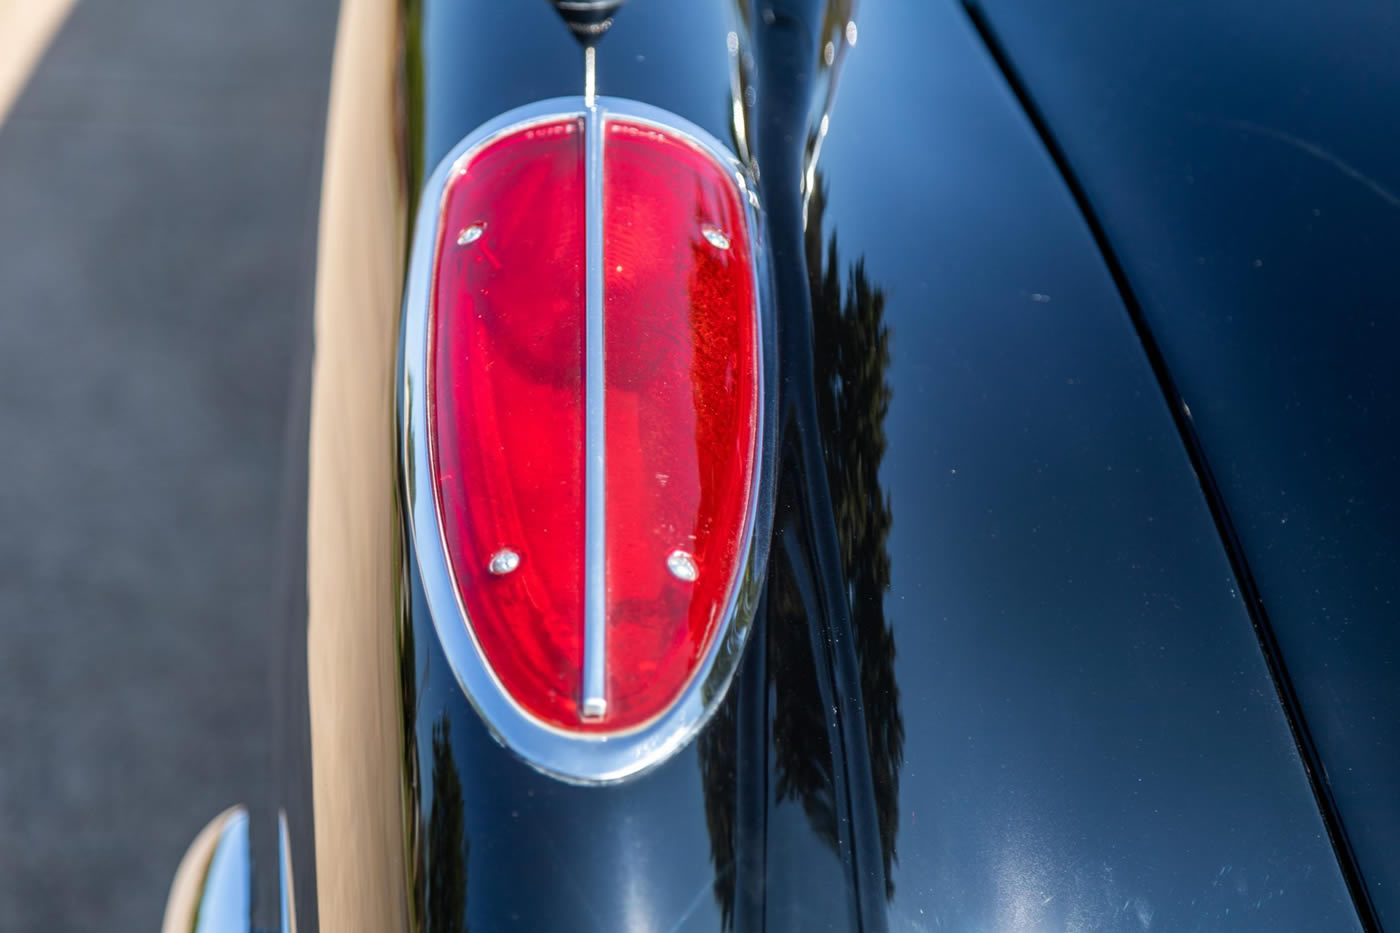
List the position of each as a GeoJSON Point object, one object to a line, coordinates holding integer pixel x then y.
{"type": "Point", "coordinates": [159, 180]}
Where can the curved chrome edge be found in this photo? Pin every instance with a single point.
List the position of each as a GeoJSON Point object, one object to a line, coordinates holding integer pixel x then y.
{"type": "Point", "coordinates": [185, 906]}
{"type": "Point", "coordinates": [578, 758]}
{"type": "Point", "coordinates": [213, 888]}
{"type": "Point", "coordinates": [226, 904]}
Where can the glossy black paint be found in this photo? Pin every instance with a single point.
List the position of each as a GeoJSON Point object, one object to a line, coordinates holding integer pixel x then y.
{"type": "Point", "coordinates": [1002, 677]}
{"type": "Point", "coordinates": [1091, 737]}
{"type": "Point", "coordinates": [1243, 161]}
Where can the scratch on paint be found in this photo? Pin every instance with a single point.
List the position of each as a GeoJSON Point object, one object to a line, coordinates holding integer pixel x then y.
{"type": "Point", "coordinates": [695, 903]}
{"type": "Point", "coordinates": [1316, 152]}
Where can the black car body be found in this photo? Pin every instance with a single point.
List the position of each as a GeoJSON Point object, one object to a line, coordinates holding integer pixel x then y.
{"type": "Point", "coordinates": [1080, 598]}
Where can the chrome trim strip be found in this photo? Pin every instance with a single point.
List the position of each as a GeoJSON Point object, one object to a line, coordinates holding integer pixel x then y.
{"type": "Point", "coordinates": [287, 905]}
{"type": "Point", "coordinates": [594, 702]}
{"type": "Point", "coordinates": [590, 77]}
{"type": "Point", "coordinates": [576, 757]}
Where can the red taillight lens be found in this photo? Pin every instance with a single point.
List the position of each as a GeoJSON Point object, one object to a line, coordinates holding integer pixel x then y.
{"type": "Point", "coordinates": [507, 418]}
{"type": "Point", "coordinates": [681, 408]}
{"type": "Point", "coordinates": [507, 415]}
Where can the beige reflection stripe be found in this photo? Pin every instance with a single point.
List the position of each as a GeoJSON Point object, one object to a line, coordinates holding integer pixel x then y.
{"type": "Point", "coordinates": [352, 524]}
{"type": "Point", "coordinates": [26, 28]}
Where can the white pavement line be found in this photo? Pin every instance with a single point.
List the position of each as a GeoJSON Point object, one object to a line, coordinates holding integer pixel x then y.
{"type": "Point", "coordinates": [26, 28]}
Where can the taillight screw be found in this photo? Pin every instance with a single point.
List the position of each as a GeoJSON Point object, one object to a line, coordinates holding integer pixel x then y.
{"type": "Point", "coordinates": [715, 236]}
{"type": "Point", "coordinates": [503, 562]}
{"type": "Point", "coordinates": [682, 566]}
{"type": "Point", "coordinates": [470, 234]}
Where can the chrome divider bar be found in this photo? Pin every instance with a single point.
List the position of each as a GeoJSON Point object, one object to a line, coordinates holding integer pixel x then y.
{"type": "Point", "coordinates": [594, 702]}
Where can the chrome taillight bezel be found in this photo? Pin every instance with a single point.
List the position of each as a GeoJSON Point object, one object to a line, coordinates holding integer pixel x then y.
{"type": "Point", "coordinates": [576, 757]}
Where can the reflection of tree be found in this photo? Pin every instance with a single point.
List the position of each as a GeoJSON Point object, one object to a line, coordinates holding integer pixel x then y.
{"type": "Point", "coordinates": [718, 778]}
{"type": "Point", "coordinates": [447, 844]}
{"type": "Point", "coordinates": [412, 790]}
{"type": "Point", "coordinates": [802, 749]}
{"type": "Point", "coordinates": [851, 355]}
